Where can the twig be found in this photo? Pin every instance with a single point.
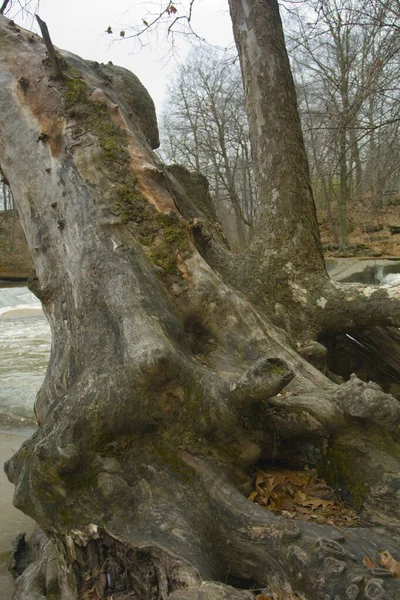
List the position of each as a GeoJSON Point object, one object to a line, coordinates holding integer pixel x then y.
{"type": "Point", "coordinates": [50, 48]}
{"type": "Point", "coordinates": [370, 556]}
{"type": "Point", "coordinates": [4, 6]}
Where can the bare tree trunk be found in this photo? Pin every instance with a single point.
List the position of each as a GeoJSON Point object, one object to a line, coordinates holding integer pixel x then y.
{"type": "Point", "coordinates": [355, 154]}
{"type": "Point", "coordinates": [281, 165]}
{"type": "Point", "coordinates": [343, 189]}
{"type": "Point", "coordinates": [164, 383]}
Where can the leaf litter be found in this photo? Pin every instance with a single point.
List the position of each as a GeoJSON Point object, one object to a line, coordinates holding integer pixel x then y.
{"type": "Point", "coordinates": [301, 495]}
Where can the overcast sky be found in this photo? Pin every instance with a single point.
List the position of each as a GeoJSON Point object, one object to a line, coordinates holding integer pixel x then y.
{"type": "Point", "coordinates": [79, 26]}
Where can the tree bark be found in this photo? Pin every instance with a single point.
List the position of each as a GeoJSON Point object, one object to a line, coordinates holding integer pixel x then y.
{"type": "Point", "coordinates": [286, 217]}
{"type": "Point", "coordinates": [164, 385]}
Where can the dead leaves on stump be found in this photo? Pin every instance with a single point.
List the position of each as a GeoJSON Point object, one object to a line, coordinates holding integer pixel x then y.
{"type": "Point", "coordinates": [301, 495]}
{"type": "Point", "coordinates": [386, 562]}
{"type": "Point", "coordinates": [281, 595]}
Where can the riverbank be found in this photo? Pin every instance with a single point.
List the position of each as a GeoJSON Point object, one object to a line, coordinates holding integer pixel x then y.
{"type": "Point", "coordinates": [22, 313]}
{"type": "Point", "coordinates": [12, 521]}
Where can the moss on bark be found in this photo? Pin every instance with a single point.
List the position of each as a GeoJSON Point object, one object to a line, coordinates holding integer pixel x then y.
{"type": "Point", "coordinates": [162, 235]}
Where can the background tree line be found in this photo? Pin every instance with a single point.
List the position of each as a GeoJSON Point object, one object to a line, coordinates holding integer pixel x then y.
{"type": "Point", "coordinates": [14, 254]}
{"type": "Point", "coordinates": [8, 217]}
{"type": "Point", "coordinates": [344, 56]}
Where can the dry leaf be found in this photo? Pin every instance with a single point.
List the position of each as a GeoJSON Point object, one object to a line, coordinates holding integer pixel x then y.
{"type": "Point", "coordinates": [390, 563]}
{"type": "Point", "coordinates": [369, 563]}
{"type": "Point", "coordinates": [301, 494]}
{"type": "Point", "coordinates": [318, 502]}
{"type": "Point", "coordinates": [302, 510]}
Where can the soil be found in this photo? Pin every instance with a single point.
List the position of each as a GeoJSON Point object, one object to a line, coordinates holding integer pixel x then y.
{"type": "Point", "coordinates": [15, 259]}
{"type": "Point", "coordinates": [370, 232]}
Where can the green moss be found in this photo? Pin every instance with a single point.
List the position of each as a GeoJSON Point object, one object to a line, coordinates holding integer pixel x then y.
{"type": "Point", "coordinates": [163, 235]}
{"type": "Point", "coordinates": [337, 468]}
{"type": "Point", "coordinates": [171, 459]}
{"type": "Point", "coordinates": [75, 89]}
{"type": "Point", "coordinates": [129, 204]}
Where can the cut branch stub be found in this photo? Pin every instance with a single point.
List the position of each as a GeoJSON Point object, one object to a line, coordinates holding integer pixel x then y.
{"type": "Point", "coordinates": [264, 379]}
{"type": "Point", "coordinates": [55, 61]}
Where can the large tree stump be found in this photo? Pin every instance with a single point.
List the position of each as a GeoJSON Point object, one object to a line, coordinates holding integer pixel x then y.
{"type": "Point", "coordinates": [163, 387]}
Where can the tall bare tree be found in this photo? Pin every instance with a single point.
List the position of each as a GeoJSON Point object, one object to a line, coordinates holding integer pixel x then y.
{"type": "Point", "coordinates": [205, 128]}
{"type": "Point", "coordinates": [346, 67]}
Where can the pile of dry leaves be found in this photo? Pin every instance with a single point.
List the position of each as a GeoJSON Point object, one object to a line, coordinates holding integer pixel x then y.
{"type": "Point", "coordinates": [301, 495]}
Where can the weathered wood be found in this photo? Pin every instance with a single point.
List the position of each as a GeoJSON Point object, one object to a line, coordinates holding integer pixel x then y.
{"type": "Point", "coordinates": [55, 61]}
{"type": "Point", "coordinates": [157, 400]}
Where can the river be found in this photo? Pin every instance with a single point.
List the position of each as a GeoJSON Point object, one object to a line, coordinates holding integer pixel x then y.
{"type": "Point", "coordinates": [24, 353]}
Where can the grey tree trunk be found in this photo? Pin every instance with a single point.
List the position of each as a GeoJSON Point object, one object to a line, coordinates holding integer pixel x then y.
{"type": "Point", "coordinates": [281, 165]}
{"type": "Point", "coordinates": [163, 387]}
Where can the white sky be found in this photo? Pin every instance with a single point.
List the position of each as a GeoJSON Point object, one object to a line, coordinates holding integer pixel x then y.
{"type": "Point", "coordinates": [79, 26]}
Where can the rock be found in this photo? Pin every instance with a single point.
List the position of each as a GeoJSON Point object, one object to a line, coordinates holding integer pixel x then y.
{"type": "Point", "coordinates": [350, 270]}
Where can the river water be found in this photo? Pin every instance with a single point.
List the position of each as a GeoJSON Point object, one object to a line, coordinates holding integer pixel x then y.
{"type": "Point", "coordinates": [24, 353]}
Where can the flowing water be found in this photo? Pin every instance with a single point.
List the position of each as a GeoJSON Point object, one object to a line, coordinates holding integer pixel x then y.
{"type": "Point", "coordinates": [24, 353]}
{"type": "Point", "coordinates": [390, 279]}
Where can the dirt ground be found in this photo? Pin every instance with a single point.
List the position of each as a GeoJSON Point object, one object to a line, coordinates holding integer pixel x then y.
{"type": "Point", "coordinates": [15, 259]}
{"type": "Point", "coordinates": [363, 218]}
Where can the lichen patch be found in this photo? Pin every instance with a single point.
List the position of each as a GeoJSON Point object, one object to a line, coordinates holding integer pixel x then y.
{"type": "Point", "coordinates": [322, 302]}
